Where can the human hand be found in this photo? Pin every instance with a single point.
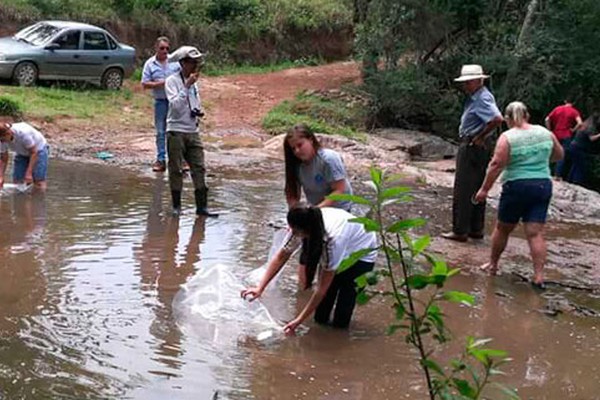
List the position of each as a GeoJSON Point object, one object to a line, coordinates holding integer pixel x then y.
{"type": "Point", "coordinates": [1, 182]}
{"type": "Point", "coordinates": [251, 294]}
{"type": "Point", "coordinates": [480, 196]}
{"type": "Point", "coordinates": [28, 177]}
{"type": "Point", "coordinates": [290, 328]}
{"type": "Point", "coordinates": [478, 141]}
{"type": "Point", "coordinates": [191, 79]}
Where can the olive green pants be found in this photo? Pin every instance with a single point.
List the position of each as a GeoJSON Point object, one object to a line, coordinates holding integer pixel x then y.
{"type": "Point", "coordinates": [188, 146]}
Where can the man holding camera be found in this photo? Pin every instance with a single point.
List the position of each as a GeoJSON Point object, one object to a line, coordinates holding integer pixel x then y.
{"type": "Point", "coordinates": [183, 137]}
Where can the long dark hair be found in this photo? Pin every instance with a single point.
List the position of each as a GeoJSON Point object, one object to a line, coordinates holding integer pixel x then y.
{"type": "Point", "coordinates": [292, 163]}
{"type": "Point", "coordinates": [309, 220]}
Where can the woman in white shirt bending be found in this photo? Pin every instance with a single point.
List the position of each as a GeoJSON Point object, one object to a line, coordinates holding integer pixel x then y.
{"type": "Point", "coordinates": [331, 238]}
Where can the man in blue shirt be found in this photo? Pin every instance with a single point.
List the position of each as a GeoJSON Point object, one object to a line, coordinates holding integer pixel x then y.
{"type": "Point", "coordinates": [479, 119]}
{"type": "Point", "coordinates": [156, 70]}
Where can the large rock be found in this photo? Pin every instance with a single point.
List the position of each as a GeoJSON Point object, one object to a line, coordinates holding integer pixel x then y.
{"type": "Point", "coordinates": [356, 155]}
{"type": "Point", "coordinates": [419, 145]}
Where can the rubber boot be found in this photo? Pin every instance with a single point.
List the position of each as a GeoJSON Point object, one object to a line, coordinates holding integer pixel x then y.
{"type": "Point", "coordinates": [201, 196]}
{"type": "Point", "coordinates": [176, 198]}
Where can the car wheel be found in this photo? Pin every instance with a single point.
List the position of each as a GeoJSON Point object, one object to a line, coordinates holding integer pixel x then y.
{"type": "Point", "coordinates": [112, 79]}
{"type": "Point", "coordinates": [25, 74]}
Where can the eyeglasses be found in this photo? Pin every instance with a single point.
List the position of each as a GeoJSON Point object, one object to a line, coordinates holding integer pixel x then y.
{"type": "Point", "coordinates": [163, 48]}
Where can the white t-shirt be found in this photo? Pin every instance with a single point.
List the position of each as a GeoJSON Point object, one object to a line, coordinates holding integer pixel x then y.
{"type": "Point", "coordinates": [342, 239]}
{"type": "Point", "coordinates": [25, 137]}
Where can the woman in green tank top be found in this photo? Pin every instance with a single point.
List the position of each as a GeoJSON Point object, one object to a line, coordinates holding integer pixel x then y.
{"type": "Point", "coordinates": [523, 155]}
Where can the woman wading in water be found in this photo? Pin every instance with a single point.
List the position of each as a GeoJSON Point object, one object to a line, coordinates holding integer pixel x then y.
{"type": "Point", "coordinates": [317, 172]}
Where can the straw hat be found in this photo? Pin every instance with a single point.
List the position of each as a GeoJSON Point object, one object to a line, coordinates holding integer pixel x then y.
{"type": "Point", "coordinates": [471, 72]}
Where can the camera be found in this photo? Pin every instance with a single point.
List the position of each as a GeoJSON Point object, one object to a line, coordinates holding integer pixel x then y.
{"type": "Point", "coordinates": [196, 113]}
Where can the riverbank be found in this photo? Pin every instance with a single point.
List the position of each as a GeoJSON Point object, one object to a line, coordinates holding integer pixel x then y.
{"type": "Point", "coordinates": [236, 143]}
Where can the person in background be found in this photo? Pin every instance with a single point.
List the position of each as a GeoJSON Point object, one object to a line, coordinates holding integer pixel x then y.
{"type": "Point", "coordinates": [156, 70]}
{"type": "Point", "coordinates": [563, 121]}
{"type": "Point", "coordinates": [31, 149]}
{"type": "Point", "coordinates": [479, 119]}
{"type": "Point", "coordinates": [183, 137]}
{"type": "Point", "coordinates": [524, 153]}
{"type": "Point", "coordinates": [317, 172]}
{"type": "Point", "coordinates": [331, 238]}
{"type": "Point", "coordinates": [581, 145]}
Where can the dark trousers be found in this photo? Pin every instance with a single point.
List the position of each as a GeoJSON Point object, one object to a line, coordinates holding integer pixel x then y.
{"type": "Point", "coordinates": [342, 294]}
{"type": "Point", "coordinates": [471, 164]}
{"type": "Point", "coordinates": [188, 146]}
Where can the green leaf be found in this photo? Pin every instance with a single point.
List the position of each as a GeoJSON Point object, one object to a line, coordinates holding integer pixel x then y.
{"type": "Point", "coordinates": [363, 298]}
{"type": "Point", "coordinates": [421, 244]}
{"type": "Point", "coordinates": [372, 278]}
{"type": "Point", "coordinates": [361, 281]}
{"type": "Point", "coordinates": [376, 175]}
{"type": "Point", "coordinates": [352, 259]}
{"type": "Point", "coordinates": [369, 224]}
{"type": "Point", "coordinates": [400, 311]}
{"type": "Point", "coordinates": [405, 224]}
{"type": "Point", "coordinates": [394, 192]}
{"type": "Point", "coordinates": [464, 388]}
{"type": "Point", "coordinates": [418, 281]}
{"type": "Point", "coordinates": [453, 272]}
{"type": "Point", "coordinates": [439, 267]}
{"type": "Point", "coordinates": [348, 197]}
{"type": "Point", "coordinates": [432, 365]}
{"type": "Point", "coordinates": [459, 297]}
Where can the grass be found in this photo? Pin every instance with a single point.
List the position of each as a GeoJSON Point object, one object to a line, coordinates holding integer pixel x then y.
{"type": "Point", "coordinates": [89, 103]}
{"type": "Point", "coordinates": [321, 114]}
{"type": "Point", "coordinates": [214, 69]}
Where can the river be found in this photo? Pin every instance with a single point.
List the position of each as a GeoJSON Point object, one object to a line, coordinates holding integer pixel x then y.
{"type": "Point", "coordinates": [89, 272]}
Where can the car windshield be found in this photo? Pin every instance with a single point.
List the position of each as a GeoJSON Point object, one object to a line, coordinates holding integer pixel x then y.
{"type": "Point", "coordinates": [37, 34]}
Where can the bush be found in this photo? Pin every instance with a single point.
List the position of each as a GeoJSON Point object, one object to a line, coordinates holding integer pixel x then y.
{"type": "Point", "coordinates": [10, 107]}
{"type": "Point", "coordinates": [320, 113]}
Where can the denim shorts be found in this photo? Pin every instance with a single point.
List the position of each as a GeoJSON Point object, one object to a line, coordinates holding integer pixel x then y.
{"type": "Point", "coordinates": [525, 200]}
{"type": "Point", "coordinates": [40, 169]}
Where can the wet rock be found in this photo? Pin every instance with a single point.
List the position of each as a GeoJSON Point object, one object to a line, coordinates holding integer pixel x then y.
{"type": "Point", "coordinates": [419, 145]}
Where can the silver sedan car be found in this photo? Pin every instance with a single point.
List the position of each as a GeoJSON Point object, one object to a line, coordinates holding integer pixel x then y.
{"type": "Point", "coordinates": [58, 50]}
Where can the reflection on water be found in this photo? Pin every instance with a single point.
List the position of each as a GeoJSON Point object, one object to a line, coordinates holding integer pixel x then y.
{"type": "Point", "coordinates": [89, 272]}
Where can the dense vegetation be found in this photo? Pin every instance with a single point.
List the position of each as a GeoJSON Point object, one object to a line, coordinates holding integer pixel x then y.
{"type": "Point", "coordinates": [233, 31]}
{"type": "Point", "coordinates": [538, 52]}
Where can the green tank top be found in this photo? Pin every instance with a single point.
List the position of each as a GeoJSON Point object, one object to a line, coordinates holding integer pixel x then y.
{"type": "Point", "coordinates": [530, 151]}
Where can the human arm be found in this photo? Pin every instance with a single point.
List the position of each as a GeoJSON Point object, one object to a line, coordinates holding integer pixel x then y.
{"type": "Point", "coordinates": [3, 164]}
{"type": "Point", "coordinates": [153, 84]}
{"type": "Point", "coordinates": [148, 82]}
{"type": "Point", "coordinates": [595, 137]}
{"type": "Point", "coordinates": [548, 123]}
{"type": "Point", "coordinates": [337, 187]}
{"type": "Point", "coordinates": [33, 156]}
{"type": "Point", "coordinates": [273, 268]}
{"type": "Point", "coordinates": [479, 139]}
{"type": "Point", "coordinates": [497, 164]}
{"type": "Point", "coordinates": [325, 279]}
{"type": "Point", "coordinates": [578, 123]}
{"type": "Point", "coordinates": [557, 150]}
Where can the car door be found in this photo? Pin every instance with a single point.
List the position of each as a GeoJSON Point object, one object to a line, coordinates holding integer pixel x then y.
{"type": "Point", "coordinates": [96, 53]}
{"type": "Point", "coordinates": [63, 57]}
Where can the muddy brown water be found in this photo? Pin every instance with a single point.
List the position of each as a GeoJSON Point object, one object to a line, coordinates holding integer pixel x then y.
{"type": "Point", "coordinates": [90, 269]}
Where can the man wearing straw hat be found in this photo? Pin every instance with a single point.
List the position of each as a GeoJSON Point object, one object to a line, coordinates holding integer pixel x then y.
{"type": "Point", "coordinates": [479, 119]}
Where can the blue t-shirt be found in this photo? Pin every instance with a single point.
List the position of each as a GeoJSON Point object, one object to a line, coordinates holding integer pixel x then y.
{"type": "Point", "coordinates": [480, 108]}
{"type": "Point", "coordinates": [155, 71]}
{"type": "Point", "coordinates": [317, 176]}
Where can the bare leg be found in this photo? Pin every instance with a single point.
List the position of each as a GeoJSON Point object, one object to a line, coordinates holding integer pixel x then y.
{"type": "Point", "coordinates": [41, 185]}
{"type": "Point", "coordinates": [499, 240]}
{"type": "Point", "coordinates": [537, 246]}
